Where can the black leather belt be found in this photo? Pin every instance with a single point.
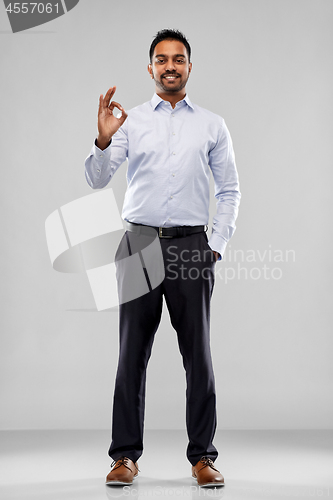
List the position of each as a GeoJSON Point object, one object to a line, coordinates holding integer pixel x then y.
{"type": "Point", "coordinates": [166, 232]}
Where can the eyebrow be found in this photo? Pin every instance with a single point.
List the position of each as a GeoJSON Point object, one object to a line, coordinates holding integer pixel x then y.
{"type": "Point", "coordinates": [177, 55]}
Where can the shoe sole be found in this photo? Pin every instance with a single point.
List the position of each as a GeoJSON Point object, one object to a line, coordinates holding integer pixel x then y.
{"type": "Point", "coordinates": [119, 483]}
{"type": "Point", "coordinates": [207, 484]}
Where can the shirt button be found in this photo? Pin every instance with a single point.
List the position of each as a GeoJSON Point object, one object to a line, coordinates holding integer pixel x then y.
{"type": "Point", "coordinates": [101, 156]}
{"type": "Point", "coordinates": [172, 115]}
{"type": "Point", "coordinates": [173, 133]}
{"type": "Point", "coordinates": [98, 170]}
{"type": "Point", "coordinates": [171, 196]}
{"type": "Point", "coordinates": [173, 153]}
{"type": "Point", "coordinates": [169, 218]}
{"type": "Point", "coordinates": [173, 175]}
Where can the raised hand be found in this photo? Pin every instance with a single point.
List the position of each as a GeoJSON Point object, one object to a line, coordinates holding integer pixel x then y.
{"type": "Point", "coordinates": [108, 124]}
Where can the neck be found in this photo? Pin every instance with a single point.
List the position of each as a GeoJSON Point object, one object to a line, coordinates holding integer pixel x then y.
{"type": "Point", "coordinates": [172, 97]}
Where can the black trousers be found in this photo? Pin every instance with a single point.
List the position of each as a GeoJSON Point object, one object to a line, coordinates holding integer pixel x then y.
{"type": "Point", "coordinates": [187, 288]}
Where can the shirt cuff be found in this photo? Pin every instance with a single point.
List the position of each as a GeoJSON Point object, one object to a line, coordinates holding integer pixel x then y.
{"type": "Point", "coordinates": [95, 143]}
{"type": "Point", "coordinates": [218, 244]}
{"type": "Point", "coordinates": [102, 157]}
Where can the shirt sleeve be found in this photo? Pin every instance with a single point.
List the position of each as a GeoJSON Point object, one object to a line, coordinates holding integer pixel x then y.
{"type": "Point", "coordinates": [223, 166]}
{"type": "Point", "coordinates": [100, 166]}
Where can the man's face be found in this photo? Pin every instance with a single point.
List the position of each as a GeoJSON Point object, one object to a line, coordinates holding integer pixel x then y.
{"type": "Point", "coordinates": [170, 67]}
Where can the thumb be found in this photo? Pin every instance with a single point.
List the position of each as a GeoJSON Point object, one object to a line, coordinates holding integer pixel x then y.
{"type": "Point", "coordinates": [123, 116]}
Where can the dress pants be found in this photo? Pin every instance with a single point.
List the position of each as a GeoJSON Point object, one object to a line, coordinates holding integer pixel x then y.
{"type": "Point", "coordinates": [187, 287]}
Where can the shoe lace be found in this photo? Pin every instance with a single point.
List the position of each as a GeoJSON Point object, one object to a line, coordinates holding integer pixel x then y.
{"type": "Point", "coordinates": [123, 461]}
{"type": "Point", "coordinates": [207, 462]}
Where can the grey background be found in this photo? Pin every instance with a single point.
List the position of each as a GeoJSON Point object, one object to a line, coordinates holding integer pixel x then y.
{"type": "Point", "coordinates": [266, 67]}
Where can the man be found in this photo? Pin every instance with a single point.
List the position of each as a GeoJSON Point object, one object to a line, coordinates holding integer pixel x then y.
{"type": "Point", "coordinates": [172, 146]}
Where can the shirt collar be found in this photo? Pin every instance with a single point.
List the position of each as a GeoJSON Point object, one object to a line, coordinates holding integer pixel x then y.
{"type": "Point", "coordinates": [156, 100]}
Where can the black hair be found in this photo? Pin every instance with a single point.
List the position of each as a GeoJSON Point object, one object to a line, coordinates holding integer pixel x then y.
{"type": "Point", "coordinates": [168, 34]}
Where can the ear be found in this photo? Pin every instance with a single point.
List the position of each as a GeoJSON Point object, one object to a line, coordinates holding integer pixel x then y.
{"type": "Point", "coordinates": [150, 70]}
{"type": "Point", "coordinates": [189, 68]}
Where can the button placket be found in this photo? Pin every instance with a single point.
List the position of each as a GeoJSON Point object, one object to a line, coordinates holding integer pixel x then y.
{"type": "Point", "coordinates": [172, 154]}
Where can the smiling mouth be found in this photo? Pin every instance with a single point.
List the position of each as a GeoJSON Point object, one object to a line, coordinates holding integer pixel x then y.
{"type": "Point", "coordinates": [170, 77]}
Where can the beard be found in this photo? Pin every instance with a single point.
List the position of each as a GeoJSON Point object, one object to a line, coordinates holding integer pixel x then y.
{"type": "Point", "coordinates": [179, 85]}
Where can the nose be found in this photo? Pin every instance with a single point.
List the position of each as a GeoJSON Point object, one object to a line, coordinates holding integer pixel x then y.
{"type": "Point", "coordinates": [170, 65]}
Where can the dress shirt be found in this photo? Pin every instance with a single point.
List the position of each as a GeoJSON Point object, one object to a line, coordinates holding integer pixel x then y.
{"type": "Point", "coordinates": [171, 153]}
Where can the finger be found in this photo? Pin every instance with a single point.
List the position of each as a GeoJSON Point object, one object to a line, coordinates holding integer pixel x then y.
{"type": "Point", "coordinates": [100, 106]}
{"type": "Point", "coordinates": [115, 104]}
{"type": "Point", "coordinates": [123, 116]}
{"type": "Point", "coordinates": [108, 96]}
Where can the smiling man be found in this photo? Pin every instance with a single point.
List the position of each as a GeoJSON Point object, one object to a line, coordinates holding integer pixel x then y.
{"type": "Point", "coordinates": [172, 147]}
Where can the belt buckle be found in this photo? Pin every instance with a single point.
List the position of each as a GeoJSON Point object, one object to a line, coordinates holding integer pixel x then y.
{"type": "Point", "coordinates": [160, 234]}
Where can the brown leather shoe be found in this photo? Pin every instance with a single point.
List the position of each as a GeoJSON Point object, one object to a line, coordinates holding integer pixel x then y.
{"type": "Point", "coordinates": [206, 474]}
{"type": "Point", "coordinates": [123, 472]}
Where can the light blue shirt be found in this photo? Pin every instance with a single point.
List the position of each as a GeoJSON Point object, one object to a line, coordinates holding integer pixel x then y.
{"type": "Point", "coordinates": [171, 153]}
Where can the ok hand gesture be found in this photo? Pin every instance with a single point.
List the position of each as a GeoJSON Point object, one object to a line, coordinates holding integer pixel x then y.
{"type": "Point", "coordinates": [108, 124]}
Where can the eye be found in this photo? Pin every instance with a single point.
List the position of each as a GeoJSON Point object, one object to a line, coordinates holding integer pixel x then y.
{"type": "Point", "coordinates": [180, 61]}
